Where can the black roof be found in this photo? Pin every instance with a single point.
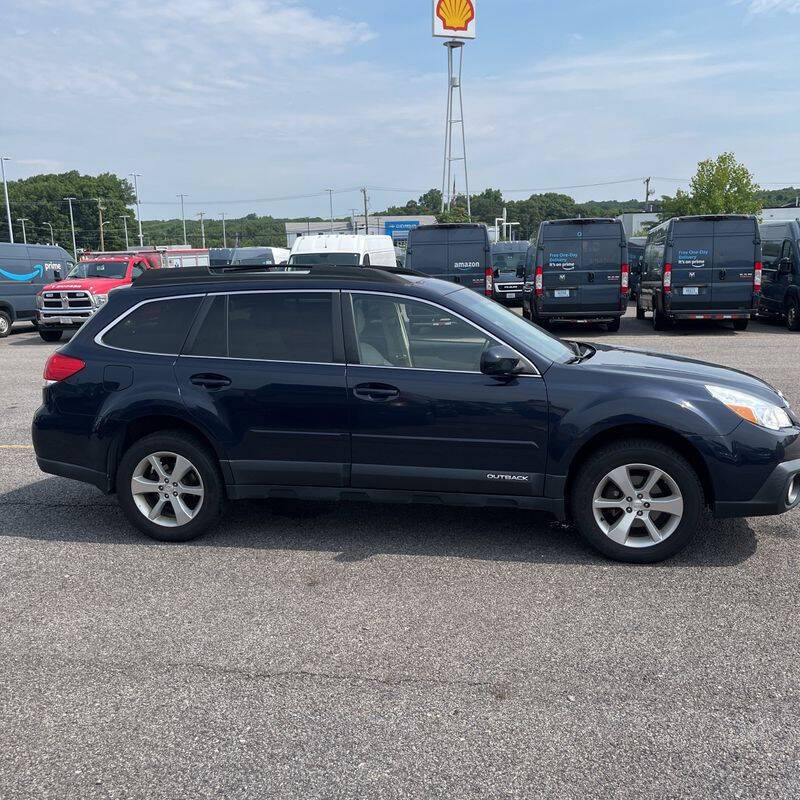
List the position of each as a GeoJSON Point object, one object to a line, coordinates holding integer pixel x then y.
{"type": "Point", "coordinates": [583, 221]}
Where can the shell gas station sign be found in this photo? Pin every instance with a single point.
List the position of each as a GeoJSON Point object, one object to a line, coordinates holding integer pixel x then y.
{"type": "Point", "coordinates": [454, 19]}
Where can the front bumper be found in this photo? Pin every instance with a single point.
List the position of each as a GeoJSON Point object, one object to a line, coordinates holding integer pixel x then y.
{"type": "Point", "coordinates": [63, 319]}
{"type": "Point", "coordinates": [778, 494]}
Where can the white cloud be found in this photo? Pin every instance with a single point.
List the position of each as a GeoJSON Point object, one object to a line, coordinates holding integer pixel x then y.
{"type": "Point", "coordinates": [771, 6]}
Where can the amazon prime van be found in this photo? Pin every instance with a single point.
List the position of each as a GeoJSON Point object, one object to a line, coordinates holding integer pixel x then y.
{"type": "Point", "coordinates": [24, 270]}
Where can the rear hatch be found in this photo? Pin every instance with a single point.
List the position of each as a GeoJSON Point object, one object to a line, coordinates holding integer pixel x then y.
{"type": "Point", "coordinates": [582, 264]}
{"type": "Point", "coordinates": [468, 256]}
{"type": "Point", "coordinates": [712, 264]}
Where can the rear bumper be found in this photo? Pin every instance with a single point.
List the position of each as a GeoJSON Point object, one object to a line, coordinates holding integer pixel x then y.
{"type": "Point", "coordinates": [75, 472]}
{"type": "Point", "coordinates": [710, 314]}
{"type": "Point", "coordinates": [773, 497]}
{"type": "Point", "coordinates": [594, 316]}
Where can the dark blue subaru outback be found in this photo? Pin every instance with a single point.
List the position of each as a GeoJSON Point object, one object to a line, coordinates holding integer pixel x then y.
{"type": "Point", "coordinates": [191, 389]}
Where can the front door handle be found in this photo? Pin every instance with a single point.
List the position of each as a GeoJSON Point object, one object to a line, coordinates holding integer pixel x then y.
{"type": "Point", "coordinates": [210, 381]}
{"type": "Point", "coordinates": [723, 273]}
{"type": "Point", "coordinates": [376, 392]}
{"type": "Point", "coordinates": [591, 277]}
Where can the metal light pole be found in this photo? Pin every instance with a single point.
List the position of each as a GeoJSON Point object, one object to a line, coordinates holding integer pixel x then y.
{"type": "Point", "coordinates": [3, 159]}
{"type": "Point", "coordinates": [453, 95]}
{"type": "Point", "coordinates": [52, 238]}
{"type": "Point", "coordinates": [202, 214]}
{"type": "Point", "coordinates": [366, 211]}
{"type": "Point", "coordinates": [72, 225]}
{"type": "Point", "coordinates": [100, 210]}
{"type": "Point", "coordinates": [23, 220]}
{"type": "Point", "coordinates": [136, 175]}
{"type": "Point", "coordinates": [330, 195]}
{"type": "Point", "coordinates": [124, 219]}
{"type": "Point", "coordinates": [183, 217]}
{"type": "Point", "coordinates": [224, 233]}
{"type": "Point", "coordinates": [102, 239]}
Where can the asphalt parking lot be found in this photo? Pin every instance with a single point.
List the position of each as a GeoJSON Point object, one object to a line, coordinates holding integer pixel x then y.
{"type": "Point", "coordinates": [379, 651]}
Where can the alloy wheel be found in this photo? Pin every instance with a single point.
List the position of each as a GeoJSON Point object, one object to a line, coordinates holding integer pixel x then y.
{"type": "Point", "coordinates": [4, 326]}
{"type": "Point", "coordinates": [637, 505]}
{"type": "Point", "coordinates": [167, 489]}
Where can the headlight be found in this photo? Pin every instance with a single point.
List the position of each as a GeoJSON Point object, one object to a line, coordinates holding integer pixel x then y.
{"type": "Point", "coordinates": [100, 299]}
{"type": "Point", "coordinates": [752, 408]}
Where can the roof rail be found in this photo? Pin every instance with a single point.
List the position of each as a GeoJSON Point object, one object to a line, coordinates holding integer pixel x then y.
{"type": "Point", "coordinates": [179, 275]}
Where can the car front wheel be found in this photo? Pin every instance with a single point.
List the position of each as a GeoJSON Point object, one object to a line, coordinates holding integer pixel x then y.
{"type": "Point", "coordinates": [50, 336]}
{"type": "Point", "coordinates": [5, 324]}
{"type": "Point", "coordinates": [170, 487]}
{"type": "Point", "coordinates": [637, 501]}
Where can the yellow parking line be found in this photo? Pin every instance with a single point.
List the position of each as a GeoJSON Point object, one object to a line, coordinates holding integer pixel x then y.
{"type": "Point", "coordinates": [16, 447]}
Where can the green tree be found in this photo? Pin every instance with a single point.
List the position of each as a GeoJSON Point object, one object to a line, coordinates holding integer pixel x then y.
{"type": "Point", "coordinates": [456, 214]}
{"type": "Point", "coordinates": [721, 186]}
{"type": "Point", "coordinates": [41, 200]}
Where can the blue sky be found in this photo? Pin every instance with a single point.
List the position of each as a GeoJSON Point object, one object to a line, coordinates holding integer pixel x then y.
{"type": "Point", "coordinates": [263, 99]}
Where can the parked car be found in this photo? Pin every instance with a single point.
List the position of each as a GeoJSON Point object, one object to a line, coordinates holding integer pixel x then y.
{"type": "Point", "coordinates": [580, 273]}
{"type": "Point", "coordinates": [67, 304]}
{"type": "Point", "coordinates": [24, 270]}
{"type": "Point", "coordinates": [158, 256]}
{"type": "Point", "coordinates": [636, 245]}
{"type": "Point", "coordinates": [780, 288]}
{"type": "Point", "coordinates": [189, 389]}
{"type": "Point", "coordinates": [221, 257]}
{"type": "Point", "coordinates": [458, 252]}
{"type": "Point", "coordinates": [702, 267]}
{"type": "Point", "coordinates": [344, 250]}
{"type": "Point", "coordinates": [508, 271]}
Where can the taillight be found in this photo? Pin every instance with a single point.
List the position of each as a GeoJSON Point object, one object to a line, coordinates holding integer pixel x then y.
{"type": "Point", "coordinates": [757, 276]}
{"type": "Point", "coordinates": [489, 281]}
{"type": "Point", "coordinates": [667, 277]}
{"type": "Point", "coordinates": [539, 280]}
{"type": "Point", "coordinates": [624, 284]}
{"type": "Point", "coordinates": [60, 367]}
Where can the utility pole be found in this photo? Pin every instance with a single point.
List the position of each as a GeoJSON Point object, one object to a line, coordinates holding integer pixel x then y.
{"type": "Point", "coordinates": [366, 211]}
{"type": "Point", "coordinates": [183, 217]}
{"type": "Point", "coordinates": [100, 211]}
{"type": "Point", "coordinates": [330, 195]}
{"type": "Point", "coordinates": [353, 220]}
{"type": "Point", "coordinates": [202, 214]}
{"type": "Point", "coordinates": [124, 219]}
{"type": "Point", "coordinates": [3, 159]}
{"type": "Point", "coordinates": [224, 233]}
{"type": "Point", "coordinates": [23, 220]}
{"type": "Point", "coordinates": [136, 176]}
{"type": "Point", "coordinates": [52, 238]}
{"type": "Point", "coordinates": [72, 226]}
{"type": "Point", "coordinates": [648, 193]}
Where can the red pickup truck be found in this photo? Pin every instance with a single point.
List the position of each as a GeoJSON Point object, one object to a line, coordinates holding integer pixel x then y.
{"type": "Point", "coordinates": [67, 304]}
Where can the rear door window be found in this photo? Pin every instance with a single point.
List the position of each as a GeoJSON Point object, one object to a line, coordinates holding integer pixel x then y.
{"type": "Point", "coordinates": [281, 326]}
{"type": "Point", "coordinates": [158, 327]}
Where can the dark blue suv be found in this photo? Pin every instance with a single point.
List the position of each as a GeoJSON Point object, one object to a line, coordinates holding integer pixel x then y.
{"type": "Point", "coordinates": [187, 390]}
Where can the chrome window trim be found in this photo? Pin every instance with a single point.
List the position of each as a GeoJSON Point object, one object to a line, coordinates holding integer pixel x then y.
{"type": "Point", "coordinates": [534, 374]}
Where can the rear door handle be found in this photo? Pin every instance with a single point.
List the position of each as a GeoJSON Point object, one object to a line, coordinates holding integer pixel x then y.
{"type": "Point", "coordinates": [591, 277]}
{"type": "Point", "coordinates": [376, 392]}
{"type": "Point", "coordinates": [723, 273]}
{"type": "Point", "coordinates": [210, 381]}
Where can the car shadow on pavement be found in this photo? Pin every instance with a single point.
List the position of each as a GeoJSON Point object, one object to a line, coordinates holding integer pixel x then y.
{"type": "Point", "coordinates": [57, 510]}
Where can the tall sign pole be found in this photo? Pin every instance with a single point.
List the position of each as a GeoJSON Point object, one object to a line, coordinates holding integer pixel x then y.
{"type": "Point", "coordinates": [3, 160]}
{"type": "Point", "coordinates": [454, 20]}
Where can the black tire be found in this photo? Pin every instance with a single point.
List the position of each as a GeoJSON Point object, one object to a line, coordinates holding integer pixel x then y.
{"type": "Point", "coordinates": [50, 336]}
{"type": "Point", "coordinates": [525, 313]}
{"type": "Point", "coordinates": [793, 315]}
{"type": "Point", "coordinates": [660, 321]}
{"type": "Point", "coordinates": [639, 310]}
{"type": "Point", "coordinates": [613, 326]}
{"type": "Point", "coordinates": [542, 323]}
{"type": "Point", "coordinates": [632, 452]}
{"type": "Point", "coordinates": [740, 324]}
{"type": "Point", "coordinates": [5, 324]}
{"type": "Point", "coordinates": [204, 463]}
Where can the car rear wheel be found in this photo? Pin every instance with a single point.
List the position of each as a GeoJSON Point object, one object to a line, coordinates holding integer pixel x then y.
{"type": "Point", "coordinates": [51, 336]}
{"type": "Point", "coordinates": [740, 324]}
{"type": "Point", "coordinates": [5, 324]}
{"type": "Point", "coordinates": [170, 487]}
{"type": "Point", "coordinates": [639, 310]}
{"type": "Point", "coordinates": [613, 326]}
{"type": "Point", "coordinates": [793, 315]}
{"type": "Point", "coordinates": [637, 501]}
{"type": "Point", "coordinates": [660, 321]}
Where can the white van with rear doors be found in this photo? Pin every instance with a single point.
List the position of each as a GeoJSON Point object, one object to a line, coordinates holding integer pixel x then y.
{"type": "Point", "coordinates": [346, 250]}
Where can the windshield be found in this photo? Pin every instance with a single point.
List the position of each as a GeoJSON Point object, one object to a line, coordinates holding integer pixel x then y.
{"type": "Point", "coordinates": [338, 259]}
{"type": "Point", "coordinates": [99, 269]}
{"type": "Point", "coordinates": [526, 332]}
{"type": "Point", "coordinates": [509, 262]}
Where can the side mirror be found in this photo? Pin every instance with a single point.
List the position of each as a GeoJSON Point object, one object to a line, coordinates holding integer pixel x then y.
{"type": "Point", "coordinates": [56, 275]}
{"type": "Point", "coordinates": [500, 361]}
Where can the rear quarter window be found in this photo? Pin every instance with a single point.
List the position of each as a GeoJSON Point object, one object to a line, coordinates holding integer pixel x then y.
{"type": "Point", "coordinates": [159, 327]}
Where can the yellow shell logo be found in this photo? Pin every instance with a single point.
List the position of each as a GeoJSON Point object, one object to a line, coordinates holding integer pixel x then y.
{"type": "Point", "coordinates": [455, 15]}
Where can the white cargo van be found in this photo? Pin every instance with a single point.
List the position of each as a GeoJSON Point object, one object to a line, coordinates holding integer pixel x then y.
{"type": "Point", "coordinates": [347, 250]}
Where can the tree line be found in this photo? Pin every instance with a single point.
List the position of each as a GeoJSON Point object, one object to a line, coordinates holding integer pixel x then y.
{"type": "Point", "coordinates": [721, 185]}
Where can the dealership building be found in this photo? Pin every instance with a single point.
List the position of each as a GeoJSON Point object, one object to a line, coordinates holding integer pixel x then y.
{"type": "Point", "coordinates": [396, 227]}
